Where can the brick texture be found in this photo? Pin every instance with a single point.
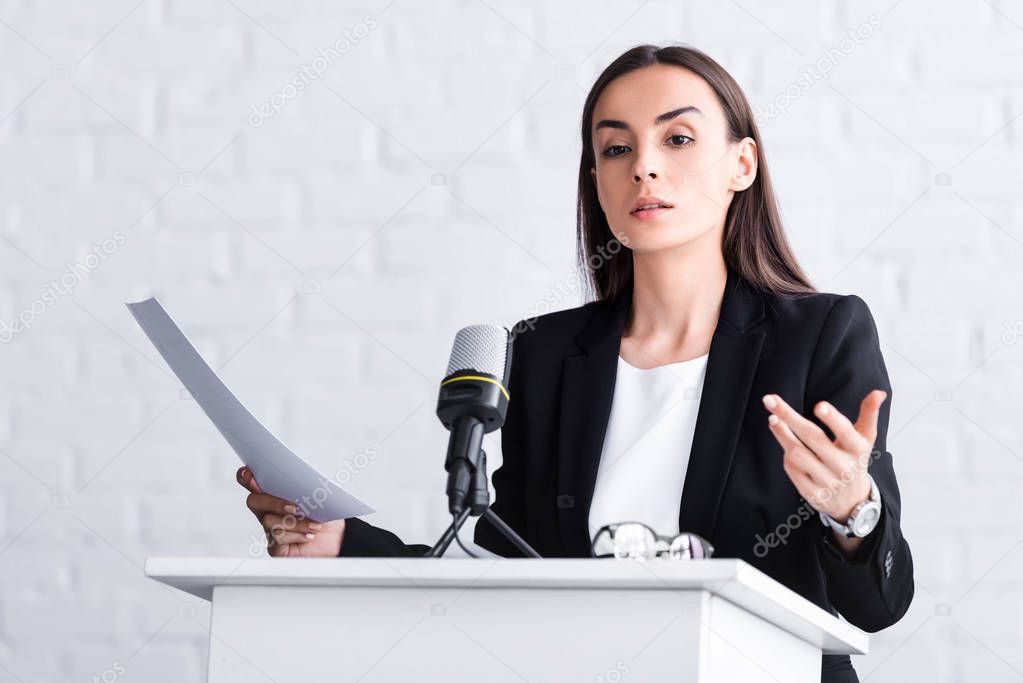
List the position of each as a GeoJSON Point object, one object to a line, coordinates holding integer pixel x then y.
{"type": "Point", "coordinates": [322, 245]}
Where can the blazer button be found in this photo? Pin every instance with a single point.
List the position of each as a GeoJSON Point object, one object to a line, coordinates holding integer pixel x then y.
{"type": "Point", "coordinates": [888, 562]}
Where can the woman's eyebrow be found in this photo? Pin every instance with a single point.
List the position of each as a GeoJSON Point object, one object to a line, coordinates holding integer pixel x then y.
{"type": "Point", "coordinates": [666, 116]}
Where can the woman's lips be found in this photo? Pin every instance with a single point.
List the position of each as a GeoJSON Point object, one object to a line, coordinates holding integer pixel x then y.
{"type": "Point", "coordinates": [650, 214]}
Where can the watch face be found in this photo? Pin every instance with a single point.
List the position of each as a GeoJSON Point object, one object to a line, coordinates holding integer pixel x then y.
{"type": "Point", "coordinates": [867, 518]}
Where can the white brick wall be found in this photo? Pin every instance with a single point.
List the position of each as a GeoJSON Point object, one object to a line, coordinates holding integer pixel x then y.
{"type": "Point", "coordinates": [134, 119]}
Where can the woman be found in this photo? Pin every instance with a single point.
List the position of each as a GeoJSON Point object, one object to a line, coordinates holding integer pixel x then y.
{"type": "Point", "coordinates": [707, 387]}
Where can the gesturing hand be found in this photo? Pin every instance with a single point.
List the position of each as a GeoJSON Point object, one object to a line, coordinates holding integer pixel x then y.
{"type": "Point", "coordinates": [830, 475]}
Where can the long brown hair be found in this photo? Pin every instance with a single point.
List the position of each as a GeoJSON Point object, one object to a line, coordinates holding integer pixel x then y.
{"type": "Point", "coordinates": [754, 243]}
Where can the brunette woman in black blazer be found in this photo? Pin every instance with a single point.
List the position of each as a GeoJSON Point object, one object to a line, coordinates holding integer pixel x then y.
{"type": "Point", "coordinates": [793, 417]}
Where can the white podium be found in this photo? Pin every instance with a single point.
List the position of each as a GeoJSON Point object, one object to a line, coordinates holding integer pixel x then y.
{"type": "Point", "coordinates": [495, 620]}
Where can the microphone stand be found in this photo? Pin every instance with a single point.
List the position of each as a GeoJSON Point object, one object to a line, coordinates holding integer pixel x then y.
{"type": "Point", "coordinates": [479, 506]}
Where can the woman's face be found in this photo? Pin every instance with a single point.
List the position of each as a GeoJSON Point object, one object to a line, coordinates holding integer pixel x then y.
{"type": "Point", "coordinates": [660, 132]}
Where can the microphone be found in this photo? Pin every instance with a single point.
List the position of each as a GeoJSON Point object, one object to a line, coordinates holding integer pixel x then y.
{"type": "Point", "coordinates": [473, 401]}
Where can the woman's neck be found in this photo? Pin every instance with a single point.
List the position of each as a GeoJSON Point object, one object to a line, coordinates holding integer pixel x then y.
{"type": "Point", "coordinates": [676, 302]}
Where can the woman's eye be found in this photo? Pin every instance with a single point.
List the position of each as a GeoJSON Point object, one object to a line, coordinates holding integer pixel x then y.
{"type": "Point", "coordinates": [674, 141]}
{"type": "Point", "coordinates": [609, 152]}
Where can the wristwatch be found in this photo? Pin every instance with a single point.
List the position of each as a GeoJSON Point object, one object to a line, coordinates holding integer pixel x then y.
{"type": "Point", "coordinates": [864, 517]}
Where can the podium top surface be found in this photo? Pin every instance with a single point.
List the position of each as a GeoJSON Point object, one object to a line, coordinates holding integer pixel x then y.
{"type": "Point", "coordinates": [734, 580]}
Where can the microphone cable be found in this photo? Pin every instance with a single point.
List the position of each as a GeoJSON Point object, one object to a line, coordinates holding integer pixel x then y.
{"type": "Point", "coordinates": [459, 540]}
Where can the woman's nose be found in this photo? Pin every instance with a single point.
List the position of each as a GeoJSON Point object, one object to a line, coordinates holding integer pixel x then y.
{"type": "Point", "coordinates": [638, 177]}
{"type": "Point", "coordinates": [645, 167]}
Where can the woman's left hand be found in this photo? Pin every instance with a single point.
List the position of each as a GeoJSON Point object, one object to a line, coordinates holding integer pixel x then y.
{"type": "Point", "coordinates": [830, 475]}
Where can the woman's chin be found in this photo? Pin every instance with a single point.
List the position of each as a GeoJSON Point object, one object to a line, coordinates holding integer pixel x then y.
{"type": "Point", "coordinates": [645, 241]}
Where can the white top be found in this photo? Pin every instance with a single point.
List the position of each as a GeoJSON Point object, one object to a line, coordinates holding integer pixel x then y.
{"type": "Point", "coordinates": [647, 446]}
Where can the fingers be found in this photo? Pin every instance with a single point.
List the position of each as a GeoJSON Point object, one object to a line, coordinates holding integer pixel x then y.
{"type": "Point", "coordinates": [272, 522]}
{"type": "Point", "coordinates": [262, 503]}
{"type": "Point", "coordinates": [282, 537]}
{"type": "Point", "coordinates": [811, 436]}
{"type": "Point", "coordinates": [798, 461]}
{"type": "Point", "coordinates": [284, 532]}
{"type": "Point", "coordinates": [846, 434]}
{"type": "Point", "coordinates": [275, 550]}
{"type": "Point", "coordinates": [246, 479]}
{"type": "Point", "coordinates": [870, 409]}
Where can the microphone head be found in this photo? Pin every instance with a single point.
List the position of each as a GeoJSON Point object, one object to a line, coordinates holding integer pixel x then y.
{"type": "Point", "coordinates": [475, 386]}
{"type": "Point", "coordinates": [480, 348]}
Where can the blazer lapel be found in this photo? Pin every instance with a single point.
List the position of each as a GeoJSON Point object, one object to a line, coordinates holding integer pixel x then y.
{"type": "Point", "coordinates": [587, 387]}
{"type": "Point", "coordinates": [588, 381]}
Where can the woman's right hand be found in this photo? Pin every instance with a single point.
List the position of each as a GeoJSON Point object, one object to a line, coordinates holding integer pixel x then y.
{"type": "Point", "coordinates": [288, 534]}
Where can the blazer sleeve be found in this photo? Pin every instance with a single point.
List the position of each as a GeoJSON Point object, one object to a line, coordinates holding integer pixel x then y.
{"type": "Point", "coordinates": [874, 588]}
{"type": "Point", "coordinates": [362, 539]}
{"type": "Point", "coordinates": [509, 478]}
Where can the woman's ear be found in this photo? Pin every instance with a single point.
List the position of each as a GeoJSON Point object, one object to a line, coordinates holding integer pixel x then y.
{"type": "Point", "coordinates": [745, 165]}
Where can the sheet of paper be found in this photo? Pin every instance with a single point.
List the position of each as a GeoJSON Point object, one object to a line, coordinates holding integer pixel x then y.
{"type": "Point", "coordinates": [278, 470]}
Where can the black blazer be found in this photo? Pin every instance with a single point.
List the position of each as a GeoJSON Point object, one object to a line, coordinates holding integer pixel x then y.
{"type": "Point", "coordinates": [736, 493]}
